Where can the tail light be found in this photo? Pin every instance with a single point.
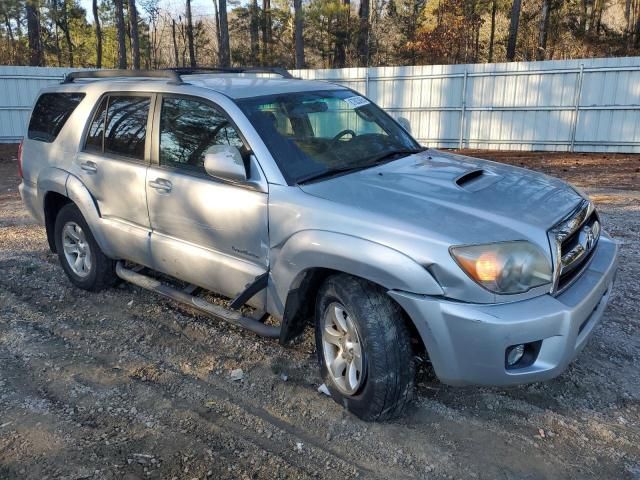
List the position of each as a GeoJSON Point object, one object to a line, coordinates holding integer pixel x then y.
{"type": "Point", "coordinates": [20, 159]}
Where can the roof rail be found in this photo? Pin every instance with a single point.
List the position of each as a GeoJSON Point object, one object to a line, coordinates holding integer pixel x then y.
{"type": "Point", "coordinates": [204, 70]}
{"type": "Point", "coordinates": [174, 75]}
{"type": "Point", "coordinates": [171, 75]}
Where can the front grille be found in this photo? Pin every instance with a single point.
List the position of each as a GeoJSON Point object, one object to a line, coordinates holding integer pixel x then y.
{"type": "Point", "coordinates": [574, 240]}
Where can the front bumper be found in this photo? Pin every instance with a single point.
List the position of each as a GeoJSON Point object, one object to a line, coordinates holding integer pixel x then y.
{"type": "Point", "coordinates": [467, 342]}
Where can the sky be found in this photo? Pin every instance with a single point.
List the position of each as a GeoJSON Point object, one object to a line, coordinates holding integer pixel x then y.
{"type": "Point", "coordinates": [198, 7]}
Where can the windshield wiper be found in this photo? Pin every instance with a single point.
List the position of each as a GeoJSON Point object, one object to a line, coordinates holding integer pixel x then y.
{"type": "Point", "coordinates": [383, 158]}
{"type": "Point", "coordinates": [332, 172]}
{"type": "Point", "coordinates": [394, 155]}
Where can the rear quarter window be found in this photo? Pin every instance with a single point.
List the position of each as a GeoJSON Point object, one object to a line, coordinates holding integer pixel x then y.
{"type": "Point", "coordinates": [51, 112]}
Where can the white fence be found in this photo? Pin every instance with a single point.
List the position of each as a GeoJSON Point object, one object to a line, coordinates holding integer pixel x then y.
{"type": "Point", "coordinates": [578, 105]}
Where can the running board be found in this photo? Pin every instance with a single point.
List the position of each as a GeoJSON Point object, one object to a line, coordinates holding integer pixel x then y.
{"type": "Point", "coordinates": [233, 317]}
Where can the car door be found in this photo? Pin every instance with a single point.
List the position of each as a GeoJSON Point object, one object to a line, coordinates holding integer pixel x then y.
{"type": "Point", "coordinates": [113, 165]}
{"type": "Point", "coordinates": [206, 231]}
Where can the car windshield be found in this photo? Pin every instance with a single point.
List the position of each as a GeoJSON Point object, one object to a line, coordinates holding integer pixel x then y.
{"type": "Point", "coordinates": [314, 135]}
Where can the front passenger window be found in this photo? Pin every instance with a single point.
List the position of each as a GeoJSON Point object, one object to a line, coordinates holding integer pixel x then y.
{"type": "Point", "coordinates": [188, 128]}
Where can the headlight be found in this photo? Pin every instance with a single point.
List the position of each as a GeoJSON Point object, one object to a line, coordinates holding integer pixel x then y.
{"type": "Point", "coordinates": [505, 267]}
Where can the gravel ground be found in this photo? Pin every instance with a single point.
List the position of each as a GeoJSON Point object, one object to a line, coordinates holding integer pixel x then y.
{"type": "Point", "coordinates": [125, 384]}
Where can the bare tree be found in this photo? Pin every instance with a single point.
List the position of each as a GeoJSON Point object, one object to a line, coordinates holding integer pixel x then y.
{"type": "Point", "coordinates": [192, 53]}
{"type": "Point", "coordinates": [363, 33]}
{"type": "Point", "coordinates": [33, 32]}
{"type": "Point", "coordinates": [513, 30]}
{"type": "Point", "coordinates": [492, 35]}
{"type": "Point", "coordinates": [55, 19]}
{"type": "Point", "coordinates": [544, 29]}
{"type": "Point", "coordinates": [98, 29]}
{"type": "Point", "coordinates": [121, 32]}
{"type": "Point", "coordinates": [266, 29]}
{"type": "Point", "coordinates": [255, 27]}
{"type": "Point", "coordinates": [224, 55]}
{"type": "Point", "coordinates": [133, 33]}
{"type": "Point", "coordinates": [175, 43]}
{"type": "Point", "coordinates": [342, 36]}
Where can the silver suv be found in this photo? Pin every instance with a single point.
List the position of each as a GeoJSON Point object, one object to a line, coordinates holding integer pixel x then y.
{"type": "Point", "coordinates": [306, 203]}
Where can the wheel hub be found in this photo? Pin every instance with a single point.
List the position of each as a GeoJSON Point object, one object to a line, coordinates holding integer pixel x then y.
{"type": "Point", "coordinates": [76, 249]}
{"type": "Point", "coordinates": [342, 349]}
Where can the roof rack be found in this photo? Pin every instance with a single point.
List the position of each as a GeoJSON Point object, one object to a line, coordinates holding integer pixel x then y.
{"type": "Point", "coordinates": [204, 70]}
{"type": "Point", "coordinates": [174, 75]}
{"type": "Point", "coordinates": [97, 74]}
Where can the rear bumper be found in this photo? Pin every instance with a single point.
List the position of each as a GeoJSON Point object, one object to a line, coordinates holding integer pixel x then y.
{"type": "Point", "coordinates": [467, 342]}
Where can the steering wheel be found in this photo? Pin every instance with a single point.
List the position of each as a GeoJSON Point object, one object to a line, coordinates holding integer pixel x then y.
{"type": "Point", "coordinates": [341, 134]}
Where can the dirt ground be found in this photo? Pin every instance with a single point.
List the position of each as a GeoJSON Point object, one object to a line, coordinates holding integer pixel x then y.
{"type": "Point", "coordinates": [125, 384]}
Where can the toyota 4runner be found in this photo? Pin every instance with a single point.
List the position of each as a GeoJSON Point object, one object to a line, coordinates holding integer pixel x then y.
{"type": "Point", "coordinates": [304, 202]}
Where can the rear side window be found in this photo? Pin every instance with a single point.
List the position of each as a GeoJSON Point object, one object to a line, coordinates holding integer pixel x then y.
{"type": "Point", "coordinates": [96, 129]}
{"type": "Point", "coordinates": [51, 112]}
{"type": "Point", "coordinates": [119, 126]}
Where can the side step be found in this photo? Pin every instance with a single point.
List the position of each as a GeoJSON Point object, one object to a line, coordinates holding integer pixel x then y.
{"type": "Point", "coordinates": [233, 317]}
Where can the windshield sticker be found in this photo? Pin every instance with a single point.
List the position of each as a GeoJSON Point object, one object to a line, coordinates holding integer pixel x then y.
{"type": "Point", "coordinates": [356, 102]}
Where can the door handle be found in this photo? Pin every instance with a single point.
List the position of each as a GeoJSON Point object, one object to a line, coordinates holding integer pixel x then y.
{"type": "Point", "coordinates": [89, 167]}
{"type": "Point", "coordinates": [161, 184]}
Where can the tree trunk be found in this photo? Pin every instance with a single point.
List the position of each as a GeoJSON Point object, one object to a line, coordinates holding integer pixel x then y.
{"type": "Point", "coordinates": [223, 50]}
{"type": "Point", "coordinates": [342, 34]}
{"type": "Point", "coordinates": [513, 30]}
{"type": "Point", "coordinates": [216, 18]}
{"type": "Point", "coordinates": [363, 33]}
{"type": "Point", "coordinates": [33, 32]}
{"type": "Point", "coordinates": [299, 33]}
{"type": "Point", "coordinates": [266, 29]}
{"type": "Point", "coordinates": [492, 36]}
{"type": "Point", "coordinates": [133, 33]}
{"type": "Point", "coordinates": [192, 52]}
{"type": "Point", "coordinates": [54, 14]}
{"type": "Point", "coordinates": [255, 30]}
{"type": "Point", "coordinates": [175, 43]}
{"type": "Point", "coordinates": [96, 21]}
{"type": "Point", "coordinates": [7, 24]}
{"type": "Point", "coordinates": [544, 29]}
{"type": "Point", "coordinates": [122, 46]}
{"type": "Point", "coordinates": [67, 32]}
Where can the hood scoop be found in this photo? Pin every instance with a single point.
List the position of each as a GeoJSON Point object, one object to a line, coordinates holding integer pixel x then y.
{"type": "Point", "coordinates": [476, 179]}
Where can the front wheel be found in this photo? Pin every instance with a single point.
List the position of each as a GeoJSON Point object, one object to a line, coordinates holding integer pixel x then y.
{"type": "Point", "coordinates": [363, 348]}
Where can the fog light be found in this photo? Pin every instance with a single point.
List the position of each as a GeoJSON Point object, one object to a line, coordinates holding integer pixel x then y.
{"type": "Point", "coordinates": [514, 354]}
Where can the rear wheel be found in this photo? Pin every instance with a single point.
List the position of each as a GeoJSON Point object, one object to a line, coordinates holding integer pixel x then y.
{"type": "Point", "coordinates": [80, 256]}
{"type": "Point", "coordinates": [363, 348]}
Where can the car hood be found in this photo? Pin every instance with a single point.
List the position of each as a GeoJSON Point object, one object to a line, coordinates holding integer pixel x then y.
{"type": "Point", "coordinates": [457, 199]}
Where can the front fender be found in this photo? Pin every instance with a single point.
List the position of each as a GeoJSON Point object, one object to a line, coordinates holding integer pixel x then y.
{"type": "Point", "coordinates": [356, 256]}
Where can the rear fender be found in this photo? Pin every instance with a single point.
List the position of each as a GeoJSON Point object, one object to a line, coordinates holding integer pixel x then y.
{"type": "Point", "coordinates": [80, 195]}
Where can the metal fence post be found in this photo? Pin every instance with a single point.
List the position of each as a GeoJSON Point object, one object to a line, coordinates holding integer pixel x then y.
{"type": "Point", "coordinates": [576, 103]}
{"type": "Point", "coordinates": [366, 85]}
{"type": "Point", "coordinates": [463, 110]}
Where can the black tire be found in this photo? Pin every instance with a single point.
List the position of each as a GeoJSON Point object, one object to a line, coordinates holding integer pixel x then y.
{"type": "Point", "coordinates": [102, 273]}
{"type": "Point", "coordinates": [389, 368]}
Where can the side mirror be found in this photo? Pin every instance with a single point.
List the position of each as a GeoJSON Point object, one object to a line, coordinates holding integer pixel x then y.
{"type": "Point", "coordinates": [225, 162]}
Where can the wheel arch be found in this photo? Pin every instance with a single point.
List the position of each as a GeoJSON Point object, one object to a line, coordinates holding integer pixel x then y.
{"type": "Point", "coordinates": [300, 313]}
{"type": "Point", "coordinates": [53, 203]}
{"type": "Point", "coordinates": [308, 258]}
